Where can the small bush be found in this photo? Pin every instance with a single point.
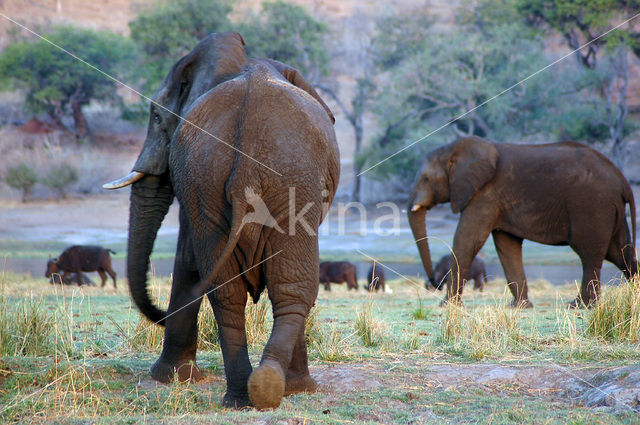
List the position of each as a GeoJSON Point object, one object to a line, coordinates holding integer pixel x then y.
{"type": "Point", "coordinates": [22, 177]}
{"type": "Point", "coordinates": [312, 330]}
{"type": "Point", "coordinates": [30, 329]}
{"type": "Point", "coordinates": [487, 331]}
{"type": "Point", "coordinates": [371, 330]}
{"type": "Point", "coordinates": [616, 317]}
{"type": "Point", "coordinates": [60, 177]}
{"type": "Point", "coordinates": [331, 346]}
{"type": "Point", "coordinates": [421, 312]}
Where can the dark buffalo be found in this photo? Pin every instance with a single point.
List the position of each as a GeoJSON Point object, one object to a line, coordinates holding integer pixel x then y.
{"type": "Point", "coordinates": [338, 272]}
{"type": "Point", "coordinates": [477, 272]}
{"type": "Point", "coordinates": [82, 258]}
{"type": "Point", "coordinates": [375, 278]}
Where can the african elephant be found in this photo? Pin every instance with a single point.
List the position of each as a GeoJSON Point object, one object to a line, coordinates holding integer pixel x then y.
{"type": "Point", "coordinates": [338, 272]}
{"type": "Point", "coordinates": [228, 135]}
{"type": "Point", "coordinates": [375, 278]}
{"type": "Point", "coordinates": [556, 194]}
{"type": "Point", "coordinates": [477, 272]}
{"type": "Point", "coordinates": [82, 258]}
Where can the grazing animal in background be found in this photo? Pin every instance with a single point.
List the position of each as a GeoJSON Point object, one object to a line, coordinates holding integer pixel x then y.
{"type": "Point", "coordinates": [338, 272]}
{"type": "Point", "coordinates": [60, 279]}
{"type": "Point", "coordinates": [82, 258]}
{"type": "Point", "coordinates": [555, 194]}
{"type": "Point", "coordinates": [254, 132]}
{"type": "Point", "coordinates": [375, 278]}
{"type": "Point", "coordinates": [477, 272]}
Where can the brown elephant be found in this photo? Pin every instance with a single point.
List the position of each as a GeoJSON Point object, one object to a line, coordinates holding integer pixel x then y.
{"type": "Point", "coordinates": [375, 278]}
{"type": "Point", "coordinates": [477, 272]}
{"type": "Point", "coordinates": [555, 194]}
{"type": "Point", "coordinates": [82, 258]}
{"type": "Point", "coordinates": [254, 154]}
{"type": "Point", "coordinates": [338, 272]}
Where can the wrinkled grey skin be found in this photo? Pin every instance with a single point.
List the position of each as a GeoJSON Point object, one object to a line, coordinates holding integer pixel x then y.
{"type": "Point", "coordinates": [477, 272]}
{"type": "Point", "coordinates": [271, 116]}
{"type": "Point", "coordinates": [555, 194]}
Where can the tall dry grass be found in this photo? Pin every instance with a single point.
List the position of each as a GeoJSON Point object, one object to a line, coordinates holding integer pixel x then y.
{"type": "Point", "coordinates": [485, 331]}
{"type": "Point", "coordinates": [616, 317]}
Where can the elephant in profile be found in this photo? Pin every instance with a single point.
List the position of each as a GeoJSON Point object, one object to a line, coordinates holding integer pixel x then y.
{"type": "Point", "coordinates": [227, 133]}
{"type": "Point", "coordinates": [338, 272]}
{"type": "Point", "coordinates": [555, 194]}
{"type": "Point", "coordinates": [477, 272]}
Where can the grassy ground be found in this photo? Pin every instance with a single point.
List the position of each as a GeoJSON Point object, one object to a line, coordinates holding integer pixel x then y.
{"type": "Point", "coordinates": [74, 355]}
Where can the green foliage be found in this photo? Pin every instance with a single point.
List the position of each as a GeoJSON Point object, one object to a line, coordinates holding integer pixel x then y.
{"type": "Point", "coordinates": [60, 177]}
{"type": "Point", "coordinates": [21, 177]}
{"type": "Point", "coordinates": [447, 79]}
{"type": "Point", "coordinates": [169, 30]}
{"type": "Point", "coordinates": [287, 33]}
{"type": "Point", "coordinates": [54, 81]}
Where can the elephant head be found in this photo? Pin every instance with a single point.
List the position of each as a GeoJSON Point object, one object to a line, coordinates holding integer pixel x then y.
{"type": "Point", "coordinates": [451, 173]}
{"type": "Point", "coordinates": [217, 58]}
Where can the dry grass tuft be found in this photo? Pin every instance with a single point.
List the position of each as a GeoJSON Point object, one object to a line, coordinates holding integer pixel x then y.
{"type": "Point", "coordinates": [372, 331]}
{"type": "Point", "coordinates": [616, 317]}
{"type": "Point", "coordinates": [485, 331]}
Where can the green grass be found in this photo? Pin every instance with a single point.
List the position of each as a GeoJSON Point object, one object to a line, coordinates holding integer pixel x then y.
{"type": "Point", "coordinates": [73, 355]}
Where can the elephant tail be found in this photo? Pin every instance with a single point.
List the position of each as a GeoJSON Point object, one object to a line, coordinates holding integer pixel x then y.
{"type": "Point", "coordinates": [238, 212]}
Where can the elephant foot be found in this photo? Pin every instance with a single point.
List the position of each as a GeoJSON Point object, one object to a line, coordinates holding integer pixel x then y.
{"type": "Point", "coordinates": [521, 304]}
{"type": "Point", "coordinates": [165, 372]}
{"type": "Point", "coordinates": [236, 402]}
{"type": "Point", "coordinates": [301, 384]}
{"type": "Point", "coordinates": [266, 385]}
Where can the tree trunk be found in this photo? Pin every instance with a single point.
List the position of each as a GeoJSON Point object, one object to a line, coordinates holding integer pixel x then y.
{"type": "Point", "coordinates": [618, 111]}
{"type": "Point", "coordinates": [80, 126]}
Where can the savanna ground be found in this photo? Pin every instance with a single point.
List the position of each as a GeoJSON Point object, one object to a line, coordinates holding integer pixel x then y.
{"type": "Point", "coordinates": [81, 355]}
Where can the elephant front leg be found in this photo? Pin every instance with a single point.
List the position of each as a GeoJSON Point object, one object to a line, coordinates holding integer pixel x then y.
{"type": "Point", "coordinates": [470, 235]}
{"type": "Point", "coordinates": [181, 333]}
{"type": "Point", "coordinates": [229, 304]}
{"type": "Point", "coordinates": [298, 379]}
{"type": "Point", "coordinates": [509, 249]}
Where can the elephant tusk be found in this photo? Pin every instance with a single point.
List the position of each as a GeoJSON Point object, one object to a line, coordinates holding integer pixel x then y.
{"type": "Point", "coordinates": [416, 207]}
{"type": "Point", "coordinates": [130, 178]}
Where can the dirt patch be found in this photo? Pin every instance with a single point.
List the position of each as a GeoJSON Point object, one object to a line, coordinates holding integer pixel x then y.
{"type": "Point", "coordinates": [615, 387]}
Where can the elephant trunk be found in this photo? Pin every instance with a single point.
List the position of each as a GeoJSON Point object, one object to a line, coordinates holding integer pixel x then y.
{"type": "Point", "coordinates": [418, 225]}
{"type": "Point", "coordinates": [151, 198]}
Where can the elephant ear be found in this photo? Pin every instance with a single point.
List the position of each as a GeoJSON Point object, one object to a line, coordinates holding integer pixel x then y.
{"type": "Point", "coordinates": [471, 166]}
{"type": "Point", "coordinates": [294, 77]}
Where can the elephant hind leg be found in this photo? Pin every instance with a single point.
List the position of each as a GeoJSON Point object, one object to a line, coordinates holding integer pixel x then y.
{"type": "Point", "coordinates": [591, 247]}
{"type": "Point", "coordinates": [621, 253]}
{"type": "Point", "coordinates": [229, 303]}
{"type": "Point", "coordinates": [298, 378]}
{"type": "Point", "coordinates": [292, 292]}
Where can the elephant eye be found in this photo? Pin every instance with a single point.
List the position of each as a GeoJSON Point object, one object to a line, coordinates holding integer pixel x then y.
{"type": "Point", "coordinates": [156, 118]}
